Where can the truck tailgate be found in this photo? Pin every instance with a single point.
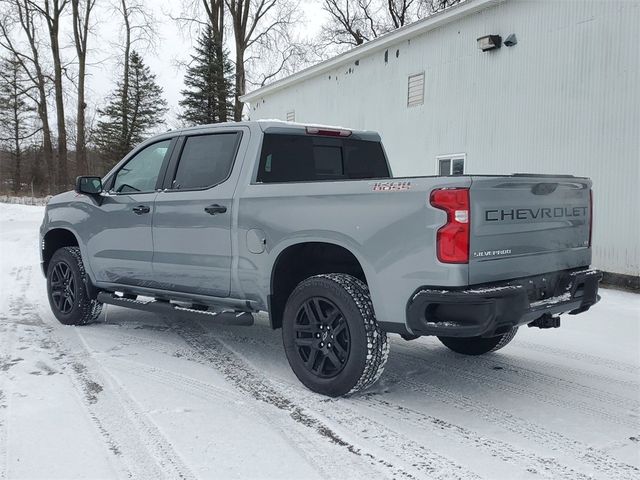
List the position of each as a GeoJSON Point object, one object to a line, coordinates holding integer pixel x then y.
{"type": "Point", "coordinates": [525, 225]}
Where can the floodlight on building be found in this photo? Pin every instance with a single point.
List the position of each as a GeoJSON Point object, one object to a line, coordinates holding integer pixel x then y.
{"type": "Point", "coordinates": [489, 42]}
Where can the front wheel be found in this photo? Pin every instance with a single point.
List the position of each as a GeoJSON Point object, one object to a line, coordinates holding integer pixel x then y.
{"type": "Point", "coordinates": [478, 345]}
{"type": "Point", "coordinates": [66, 289]}
{"type": "Point", "coordinates": [331, 337]}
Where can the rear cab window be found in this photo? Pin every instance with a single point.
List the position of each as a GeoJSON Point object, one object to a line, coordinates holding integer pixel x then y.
{"type": "Point", "coordinates": [309, 158]}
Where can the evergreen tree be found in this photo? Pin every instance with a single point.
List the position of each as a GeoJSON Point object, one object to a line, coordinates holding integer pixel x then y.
{"type": "Point", "coordinates": [16, 115]}
{"type": "Point", "coordinates": [207, 96]}
{"type": "Point", "coordinates": [144, 107]}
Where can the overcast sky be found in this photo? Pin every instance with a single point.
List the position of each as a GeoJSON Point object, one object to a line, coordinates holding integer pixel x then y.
{"type": "Point", "coordinates": [173, 47]}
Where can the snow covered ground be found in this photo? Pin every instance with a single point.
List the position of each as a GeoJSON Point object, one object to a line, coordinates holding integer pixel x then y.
{"type": "Point", "coordinates": [146, 397]}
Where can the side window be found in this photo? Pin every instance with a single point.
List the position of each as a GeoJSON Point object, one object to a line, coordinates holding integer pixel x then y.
{"type": "Point", "coordinates": [451, 165]}
{"type": "Point", "coordinates": [206, 160]}
{"type": "Point", "coordinates": [140, 174]}
{"type": "Point", "coordinates": [307, 158]}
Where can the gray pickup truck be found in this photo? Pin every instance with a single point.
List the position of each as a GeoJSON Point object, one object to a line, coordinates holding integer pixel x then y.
{"type": "Point", "coordinates": [308, 224]}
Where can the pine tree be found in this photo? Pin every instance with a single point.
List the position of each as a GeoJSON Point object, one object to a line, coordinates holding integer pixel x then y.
{"type": "Point", "coordinates": [207, 96]}
{"type": "Point", "coordinates": [16, 115]}
{"type": "Point", "coordinates": [144, 107]}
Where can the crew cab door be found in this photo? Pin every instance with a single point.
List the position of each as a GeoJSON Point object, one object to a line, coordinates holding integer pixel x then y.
{"type": "Point", "coordinates": [193, 214]}
{"type": "Point", "coordinates": [120, 245]}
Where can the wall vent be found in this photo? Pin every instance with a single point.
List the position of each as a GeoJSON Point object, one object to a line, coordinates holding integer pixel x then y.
{"type": "Point", "coordinates": [415, 90]}
{"type": "Point", "coordinates": [291, 116]}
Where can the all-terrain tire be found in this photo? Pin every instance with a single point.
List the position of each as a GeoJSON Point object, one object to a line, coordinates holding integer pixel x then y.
{"type": "Point", "coordinates": [343, 303]}
{"type": "Point", "coordinates": [78, 309]}
{"type": "Point", "coordinates": [478, 345]}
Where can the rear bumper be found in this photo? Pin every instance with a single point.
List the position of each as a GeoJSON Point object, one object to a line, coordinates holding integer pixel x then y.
{"type": "Point", "coordinates": [492, 309]}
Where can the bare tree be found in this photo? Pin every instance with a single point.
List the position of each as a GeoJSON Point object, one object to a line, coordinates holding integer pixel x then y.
{"type": "Point", "coordinates": [429, 7]}
{"type": "Point", "coordinates": [400, 12]}
{"type": "Point", "coordinates": [263, 28]}
{"type": "Point", "coordinates": [352, 22]}
{"type": "Point", "coordinates": [21, 13]}
{"type": "Point", "coordinates": [51, 11]}
{"type": "Point", "coordinates": [81, 17]}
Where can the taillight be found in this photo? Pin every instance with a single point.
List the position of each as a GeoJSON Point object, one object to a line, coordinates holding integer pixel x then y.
{"type": "Point", "coordinates": [590, 216]}
{"type": "Point", "coordinates": [452, 239]}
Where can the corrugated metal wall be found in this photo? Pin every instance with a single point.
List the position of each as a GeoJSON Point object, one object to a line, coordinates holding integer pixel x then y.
{"type": "Point", "coordinates": [565, 99]}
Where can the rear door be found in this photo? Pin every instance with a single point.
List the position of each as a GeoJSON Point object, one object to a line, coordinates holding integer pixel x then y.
{"type": "Point", "coordinates": [193, 214]}
{"type": "Point", "coordinates": [527, 225]}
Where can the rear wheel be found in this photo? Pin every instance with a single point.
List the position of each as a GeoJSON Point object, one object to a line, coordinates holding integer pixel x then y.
{"type": "Point", "coordinates": [478, 345]}
{"type": "Point", "coordinates": [68, 296]}
{"type": "Point", "coordinates": [331, 337]}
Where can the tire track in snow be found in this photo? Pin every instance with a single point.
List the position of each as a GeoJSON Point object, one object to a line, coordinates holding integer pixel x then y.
{"type": "Point", "coordinates": [311, 446]}
{"type": "Point", "coordinates": [138, 452]}
{"type": "Point", "coordinates": [583, 357]}
{"type": "Point", "coordinates": [247, 379]}
{"type": "Point", "coordinates": [581, 452]}
{"type": "Point", "coordinates": [518, 388]}
{"type": "Point", "coordinates": [8, 331]}
{"type": "Point", "coordinates": [6, 347]}
{"type": "Point", "coordinates": [528, 461]}
{"type": "Point", "coordinates": [516, 368]}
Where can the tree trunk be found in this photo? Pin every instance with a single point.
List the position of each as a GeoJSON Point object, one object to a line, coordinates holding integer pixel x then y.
{"type": "Point", "coordinates": [80, 33]}
{"type": "Point", "coordinates": [52, 18]}
{"type": "Point", "coordinates": [215, 12]}
{"type": "Point", "coordinates": [39, 80]}
{"type": "Point", "coordinates": [125, 82]}
{"type": "Point", "coordinates": [17, 180]}
{"type": "Point", "coordinates": [240, 86]}
{"type": "Point", "coordinates": [82, 167]}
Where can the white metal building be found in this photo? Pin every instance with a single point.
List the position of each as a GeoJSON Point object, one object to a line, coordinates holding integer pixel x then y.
{"type": "Point", "coordinates": [564, 99]}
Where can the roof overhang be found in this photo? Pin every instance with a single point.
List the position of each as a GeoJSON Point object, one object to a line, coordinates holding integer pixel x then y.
{"type": "Point", "coordinates": [448, 15]}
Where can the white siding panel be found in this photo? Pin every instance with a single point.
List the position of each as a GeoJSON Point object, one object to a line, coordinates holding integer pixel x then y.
{"type": "Point", "coordinates": [565, 99]}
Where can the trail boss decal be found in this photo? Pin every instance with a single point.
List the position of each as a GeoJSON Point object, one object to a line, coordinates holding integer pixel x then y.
{"type": "Point", "coordinates": [391, 186]}
{"type": "Point", "coordinates": [501, 215]}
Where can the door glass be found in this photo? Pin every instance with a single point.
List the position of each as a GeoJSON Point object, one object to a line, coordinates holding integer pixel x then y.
{"type": "Point", "coordinates": [140, 174]}
{"type": "Point", "coordinates": [206, 160]}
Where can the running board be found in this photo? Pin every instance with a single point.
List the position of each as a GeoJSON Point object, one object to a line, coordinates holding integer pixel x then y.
{"type": "Point", "coordinates": [223, 317]}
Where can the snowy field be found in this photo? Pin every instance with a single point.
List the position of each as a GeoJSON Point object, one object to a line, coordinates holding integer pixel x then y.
{"type": "Point", "coordinates": [146, 397]}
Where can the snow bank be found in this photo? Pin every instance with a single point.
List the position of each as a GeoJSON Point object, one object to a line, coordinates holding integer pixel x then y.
{"type": "Point", "coordinates": [24, 200]}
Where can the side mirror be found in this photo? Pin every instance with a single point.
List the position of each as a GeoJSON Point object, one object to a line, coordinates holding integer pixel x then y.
{"type": "Point", "coordinates": [89, 185]}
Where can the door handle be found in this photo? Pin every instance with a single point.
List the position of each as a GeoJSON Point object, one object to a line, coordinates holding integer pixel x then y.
{"type": "Point", "coordinates": [140, 209]}
{"type": "Point", "coordinates": [215, 208]}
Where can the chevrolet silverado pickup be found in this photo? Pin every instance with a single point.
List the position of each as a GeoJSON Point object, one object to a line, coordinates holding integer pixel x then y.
{"type": "Point", "coordinates": [308, 223]}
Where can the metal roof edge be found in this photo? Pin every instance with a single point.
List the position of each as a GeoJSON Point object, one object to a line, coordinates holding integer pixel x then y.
{"type": "Point", "coordinates": [428, 23]}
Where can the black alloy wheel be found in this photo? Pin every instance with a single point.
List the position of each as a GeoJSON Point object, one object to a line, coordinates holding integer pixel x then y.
{"type": "Point", "coordinates": [63, 287]}
{"type": "Point", "coordinates": [332, 340]}
{"type": "Point", "coordinates": [322, 337]}
{"type": "Point", "coordinates": [67, 288]}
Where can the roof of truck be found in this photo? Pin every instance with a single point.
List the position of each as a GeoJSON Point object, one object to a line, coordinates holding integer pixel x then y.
{"type": "Point", "coordinates": [280, 126]}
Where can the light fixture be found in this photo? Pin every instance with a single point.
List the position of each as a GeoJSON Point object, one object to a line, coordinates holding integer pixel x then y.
{"type": "Point", "coordinates": [511, 40]}
{"type": "Point", "coordinates": [489, 42]}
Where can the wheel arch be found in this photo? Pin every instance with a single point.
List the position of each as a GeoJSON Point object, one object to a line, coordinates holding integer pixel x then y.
{"type": "Point", "coordinates": [304, 258]}
{"type": "Point", "coordinates": [55, 239]}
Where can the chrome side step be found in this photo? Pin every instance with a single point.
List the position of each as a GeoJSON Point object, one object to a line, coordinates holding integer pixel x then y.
{"type": "Point", "coordinates": [223, 317]}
